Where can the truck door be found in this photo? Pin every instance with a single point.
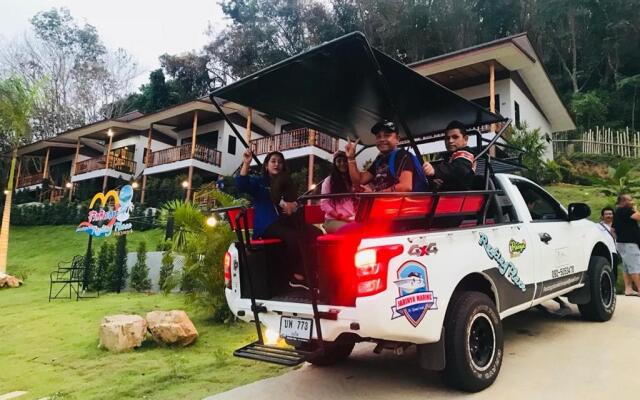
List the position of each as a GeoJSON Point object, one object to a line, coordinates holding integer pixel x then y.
{"type": "Point", "coordinates": [551, 235]}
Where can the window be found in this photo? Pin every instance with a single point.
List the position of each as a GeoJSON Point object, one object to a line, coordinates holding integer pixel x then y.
{"type": "Point", "coordinates": [231, 146]}
{"type": "Point", "coordinates": [542, 207]}
{"type": "Point", "coordinates": [516, 113]}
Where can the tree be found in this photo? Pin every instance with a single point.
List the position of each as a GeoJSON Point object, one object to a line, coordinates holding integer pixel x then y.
{"type": "Point", "coordinates": [140, 272]}
{"type": "Point", "coordinates": [533, 146]}
{"type": "Point", "coordinates": [634, 83]}
{"type": "Point", "coordinates": [103, 267]}
{"type": "Point", "coordinates": [82, 78]}
{"type": "Point", "coordinates": [155, 95]}
{"type": "Point", "coordinates": [189, 72]}
{"type": "Point", "coordinates": [17, 102]}
{"type": "Point", "coordinates": [166, 269]}
{"type": "Point", "coordinates": [120, 272]}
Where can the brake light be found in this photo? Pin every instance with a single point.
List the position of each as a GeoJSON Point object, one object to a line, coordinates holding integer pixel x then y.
{"type": "Point", "coordinates": [371, 268]}
{"type": "Point", "coordinates": [227, 270]}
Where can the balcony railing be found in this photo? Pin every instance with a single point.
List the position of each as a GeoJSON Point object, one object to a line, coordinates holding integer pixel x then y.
{"type": "Point", "coordinates": [116, 163]}
{"type": "Point", "coordinates": [29, 180]}
{"type": "Point", "coordinates": [203, 153]}
{"type": "Point", "coordinates": [294, 140]}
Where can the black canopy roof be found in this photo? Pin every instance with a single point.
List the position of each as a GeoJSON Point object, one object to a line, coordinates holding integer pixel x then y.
{"type": "Point", "coordinates": [344, 87]}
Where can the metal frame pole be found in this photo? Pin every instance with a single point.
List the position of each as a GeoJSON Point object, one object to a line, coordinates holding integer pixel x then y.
{"type": "Point", "coordinates": [233, 128]}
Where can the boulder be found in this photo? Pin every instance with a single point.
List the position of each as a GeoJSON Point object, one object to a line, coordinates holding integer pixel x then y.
{"type": "Point", "coordinates": [171, 327]}
{"type": "Point", "coordinates": [122, 332]}
{"type": "Point", "coordinates": [9, 281]}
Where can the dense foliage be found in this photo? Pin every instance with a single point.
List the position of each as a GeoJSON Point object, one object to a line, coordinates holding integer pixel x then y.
{"type": "Point", "coordinates": [140, 272]}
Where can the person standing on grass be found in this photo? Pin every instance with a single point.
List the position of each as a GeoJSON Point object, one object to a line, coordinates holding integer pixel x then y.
{"type": "Point", "coordinates": [625, 223]}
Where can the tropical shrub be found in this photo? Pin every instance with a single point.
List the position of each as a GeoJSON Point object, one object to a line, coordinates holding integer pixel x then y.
{"type": "Point", "coordinates": [140, 272]}
{"type": "Point", "coordinates": [120, 273]}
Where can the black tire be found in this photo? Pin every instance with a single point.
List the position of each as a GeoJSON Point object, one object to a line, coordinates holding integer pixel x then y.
{"type": "Point", "coordinates": [334, 353]}
{"type": "Point", "coordinates": [603, 291]}
{"type": "Point", "coordinates": [473, 342]}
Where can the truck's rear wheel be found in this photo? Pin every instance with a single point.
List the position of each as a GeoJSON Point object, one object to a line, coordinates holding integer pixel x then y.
{"type": "Point", "coordinates": [473, 342]}
{"type": "Point", "coordinates": [334, 352]}
{"type": "Point", "coordinates": [603, 291]}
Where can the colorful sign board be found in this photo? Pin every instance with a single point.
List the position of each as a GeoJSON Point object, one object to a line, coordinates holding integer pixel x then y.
{"type": "Point", "coordinates": [107, 220]}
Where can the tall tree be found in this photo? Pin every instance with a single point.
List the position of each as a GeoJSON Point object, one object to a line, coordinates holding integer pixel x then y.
{"type": "Point", "coordinates": [17, 102]}
{"type": "Point", "coordinates": [82, 78]}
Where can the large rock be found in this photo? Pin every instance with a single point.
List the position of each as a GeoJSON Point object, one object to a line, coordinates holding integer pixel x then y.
{"type": "Point", "coordinates": [171, 327]}
{"type": "Point", "coordinates": [122, 332]}
{"type": "Point", "coordinates": [9, 281]}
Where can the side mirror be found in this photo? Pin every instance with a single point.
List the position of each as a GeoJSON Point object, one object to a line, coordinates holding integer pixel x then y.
{"type": "Point", "coordinates": [578, 211]}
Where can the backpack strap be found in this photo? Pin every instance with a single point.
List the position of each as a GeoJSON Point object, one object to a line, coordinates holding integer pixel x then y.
{"type": "Point", "coordinates": [392, 163]}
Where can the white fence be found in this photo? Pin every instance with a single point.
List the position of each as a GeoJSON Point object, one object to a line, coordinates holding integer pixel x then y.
{"type": "Point", "coordinates": [619, 142]}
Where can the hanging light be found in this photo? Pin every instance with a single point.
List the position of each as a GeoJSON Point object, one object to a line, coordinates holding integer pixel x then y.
{"type": "Point", "coordinates": [134, 185]}
{"type": "Point", "coordinates": [185, 184]}
{"type": "Point", "coordinates": [68, 185]}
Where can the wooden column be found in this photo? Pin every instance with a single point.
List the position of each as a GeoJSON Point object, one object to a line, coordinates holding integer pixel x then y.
{"type": "Point", "coordinates": [492, 98]}
{"type": "Point", "coordinates": [146, 164]}
{"type": "Point", "coordinates": [247, 132]}
{"type": "Point", "coordinates": [106, 164]}
{"type": "Point", "coordinates": [45, 170]}
{"type": "Point", "coordinates": [193, 152]}
{"type": "Point", "coordinates": [73, 168]}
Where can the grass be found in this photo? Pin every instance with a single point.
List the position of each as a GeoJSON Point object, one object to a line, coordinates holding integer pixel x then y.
{"type": "Point", "coordinates": [51, 349]}
{"type": "Point", "coordinates": [592, 195]}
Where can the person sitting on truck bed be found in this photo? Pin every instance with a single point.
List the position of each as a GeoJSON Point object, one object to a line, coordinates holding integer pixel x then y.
{"type": "Point", "coordinates": [274, 204]}
{"type": "Point", "coordinates": [338, 211]}
{"type": "Point", "coordinates": [381, 176]}
{"type": "Point", "coordinates": [456, 171]}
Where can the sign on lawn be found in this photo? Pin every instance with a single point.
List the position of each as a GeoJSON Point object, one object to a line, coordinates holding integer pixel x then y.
{"type": "Point", "coordinates": [109, 218]}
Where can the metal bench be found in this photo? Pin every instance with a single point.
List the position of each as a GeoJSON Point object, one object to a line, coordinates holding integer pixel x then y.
{"type": "Point", "coordinates": [68, 274]}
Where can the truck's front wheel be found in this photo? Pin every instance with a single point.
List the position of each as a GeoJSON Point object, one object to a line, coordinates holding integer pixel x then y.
{"type": "Point", "coordinates": [603, 291]}
{"type": "Point", "coordinates": [473, 342]}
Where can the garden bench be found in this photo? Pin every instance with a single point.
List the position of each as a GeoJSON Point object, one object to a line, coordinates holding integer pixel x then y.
{"type": "Point", "coordinates": [68, 275]}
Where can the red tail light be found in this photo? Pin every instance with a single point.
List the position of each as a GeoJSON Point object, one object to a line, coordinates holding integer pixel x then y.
{"type": "Point", "coordinates": [371, 268]}
{"type": "Point", "coordinates": [227, 270]}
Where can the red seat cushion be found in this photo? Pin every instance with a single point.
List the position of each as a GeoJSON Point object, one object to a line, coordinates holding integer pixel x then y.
{"type": "Point", "coordinates": [264, 242]}
{"type": "Point", "coordinates": [313, 214]}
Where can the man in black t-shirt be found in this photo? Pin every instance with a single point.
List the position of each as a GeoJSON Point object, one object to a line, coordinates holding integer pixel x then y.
{"type": "Point", "coordinates": [625, 223]}
{"type": "Point", "coordinates": [456, 171]}
{"type": "Point", "coordinates": [379, 177]}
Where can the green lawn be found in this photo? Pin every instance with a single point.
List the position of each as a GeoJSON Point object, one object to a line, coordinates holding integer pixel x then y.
{"type": "Point", "coordinates": [591, 195]}
{"type": "Point", "coordinates": [51, 349]}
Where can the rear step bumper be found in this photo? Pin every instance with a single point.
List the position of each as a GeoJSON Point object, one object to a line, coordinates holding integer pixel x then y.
{"type": "Point", "coordinates": [275, 355]}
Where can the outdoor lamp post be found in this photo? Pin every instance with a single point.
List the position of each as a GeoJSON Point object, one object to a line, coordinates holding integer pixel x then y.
{"type": "Point", "coordinates": [185, 186]}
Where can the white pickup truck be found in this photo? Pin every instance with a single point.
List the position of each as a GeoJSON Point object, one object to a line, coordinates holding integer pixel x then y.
{"type": "Point", "coordinates": [438, 270]}
{"type": "Point", "coordinates": [444, 284]}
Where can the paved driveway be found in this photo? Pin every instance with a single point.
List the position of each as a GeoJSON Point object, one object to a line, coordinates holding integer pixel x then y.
{"type": "Point", "coordinates": [546, 356]}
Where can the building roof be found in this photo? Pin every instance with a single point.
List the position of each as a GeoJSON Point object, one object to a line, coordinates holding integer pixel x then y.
{"type": "Point", "coordinates": [512, 55]}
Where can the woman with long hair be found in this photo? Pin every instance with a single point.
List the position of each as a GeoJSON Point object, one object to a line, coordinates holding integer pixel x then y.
{"type": "Point", "coordinates": [274, 200]}
{"type": "Point", "coordinates": [338, 211]}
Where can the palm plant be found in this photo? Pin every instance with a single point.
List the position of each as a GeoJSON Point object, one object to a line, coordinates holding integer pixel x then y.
{"type": "Point", "coordinates": [17, 102]}
{"type": "Point", "coordinates": [203, 248]}
{"type": "Point", "coordinates": [621, 180]}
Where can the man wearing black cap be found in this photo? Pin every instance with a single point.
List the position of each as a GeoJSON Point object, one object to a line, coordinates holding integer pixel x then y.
{"type": "Point", "coordinates": [455, 172]}
{"type": "Point", "coordinates": [380, 176]}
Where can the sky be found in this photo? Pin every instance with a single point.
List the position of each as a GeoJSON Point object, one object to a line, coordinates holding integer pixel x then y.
{"type": "Point", "coordinates": [145, 28]}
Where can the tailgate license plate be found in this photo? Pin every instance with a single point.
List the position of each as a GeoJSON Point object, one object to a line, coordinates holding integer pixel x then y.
{"type": "Point", "coordinates": [296, 328]}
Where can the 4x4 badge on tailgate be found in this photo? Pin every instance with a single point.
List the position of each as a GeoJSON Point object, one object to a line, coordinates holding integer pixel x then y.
{"type": "Point", "coordinates": [415, 297]}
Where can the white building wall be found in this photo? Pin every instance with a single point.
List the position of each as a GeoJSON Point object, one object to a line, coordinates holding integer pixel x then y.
{"type": "Point", "coordinates": [530, 115]}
